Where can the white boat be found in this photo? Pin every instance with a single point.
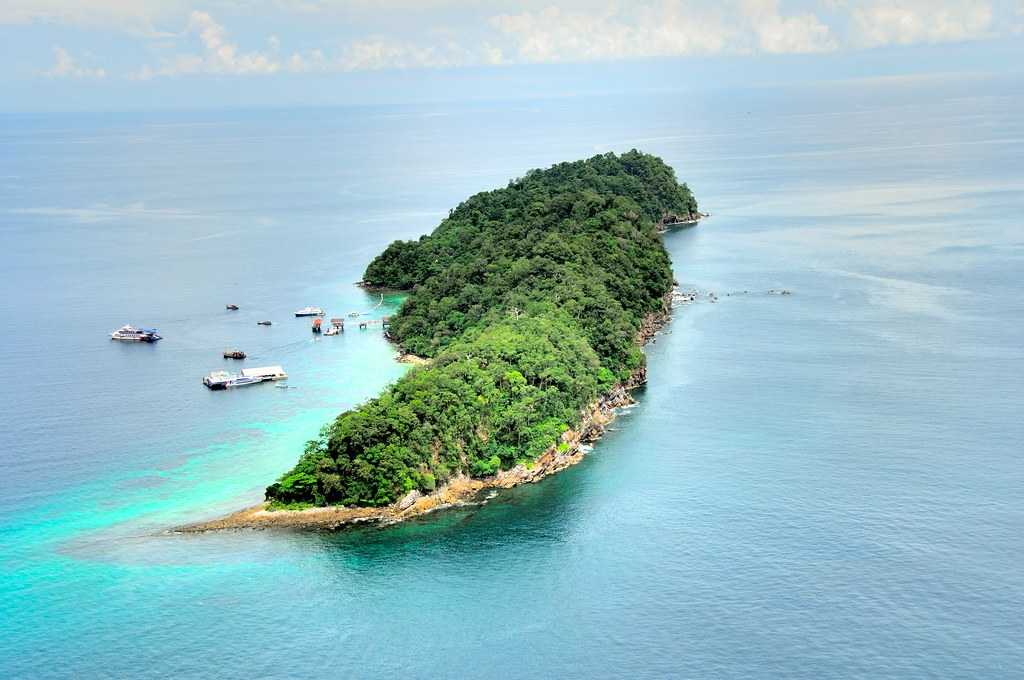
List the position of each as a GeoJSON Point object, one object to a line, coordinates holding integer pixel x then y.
{"type": "Point", "coordinates": [129, 333]}
{"type": "Point", "coordinates": [333, 330]}
{"type": "Point", "coordinates": [310, 311]}
{"type": "Point", "coordinates": [264, 373]}
{"type": "Point", "coordinates": [222, 380]}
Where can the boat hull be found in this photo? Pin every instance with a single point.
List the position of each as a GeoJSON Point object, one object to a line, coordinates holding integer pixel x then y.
{"type": "Point", "coordinates": [217, 385]}
{"type": "Point", "coordinates": [129, 333]}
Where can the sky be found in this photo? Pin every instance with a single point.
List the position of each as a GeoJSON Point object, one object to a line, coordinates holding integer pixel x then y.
{"type": "Point", "coordinates": [151, 54]}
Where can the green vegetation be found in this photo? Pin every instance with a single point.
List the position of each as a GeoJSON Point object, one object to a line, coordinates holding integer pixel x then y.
{"type": "Point", "coordinates": [529, 300]}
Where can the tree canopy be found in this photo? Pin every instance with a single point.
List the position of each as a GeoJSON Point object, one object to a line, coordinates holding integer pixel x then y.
{"type": "Point", "coordinates": [529, 300]}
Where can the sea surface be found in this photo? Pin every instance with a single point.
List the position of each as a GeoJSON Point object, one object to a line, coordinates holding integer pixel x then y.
{"type": "Point", "coordinates": [827, 484]}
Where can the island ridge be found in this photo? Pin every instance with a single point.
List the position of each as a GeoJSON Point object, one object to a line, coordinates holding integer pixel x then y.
{"type": "Point", "coordinates": [531, 303]}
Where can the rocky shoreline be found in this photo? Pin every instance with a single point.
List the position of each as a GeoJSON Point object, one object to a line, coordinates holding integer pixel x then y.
{"type": "Point", "coordinates": [459, 490]}
{"type": "Point", "coordinates": [407, 358]}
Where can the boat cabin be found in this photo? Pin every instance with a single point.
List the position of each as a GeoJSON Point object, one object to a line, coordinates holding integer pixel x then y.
{"type": "Point", "coordinates": [265, 372]}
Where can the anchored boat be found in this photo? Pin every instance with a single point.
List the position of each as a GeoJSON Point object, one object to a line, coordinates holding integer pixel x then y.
{"type": "Point", "coordinates": [128, 333]}
{"type": "Point", "coordinates": [222, 380]}
{"type": "Point", "coordinates": [310, 311]}
{"type": "Point", "coordinates": [234, 354]}
{"type": "Point", "coordinates": [265, 373]}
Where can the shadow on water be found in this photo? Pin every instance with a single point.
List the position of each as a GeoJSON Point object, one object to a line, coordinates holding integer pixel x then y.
{"type": "Point", "coordinates": [496, 520]}
{"type": "Point", "coordinates": [550, 512]}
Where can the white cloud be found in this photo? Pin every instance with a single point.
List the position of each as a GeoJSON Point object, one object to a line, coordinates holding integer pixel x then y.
{"type": "Point", "coordinates": [376, 54]}
{"type": "Point", "coordinates": [136, 17]}
{"type": "Point", "coordinates": [906, 22]}
{"type": "Point", "coordinates": [553, 34]}
{"type": "Point", "coordinates": [662, 28]}
{"type": "Point", "coordinates": [223, 56]}
{"type": "Point", "coordinates": [309, 62]}
{"type": "Point", "coordinates": [384, 53]}
{"type": "Point", "coordinates": [798, 34]}
{"type": "Point", "coordinates": [219, 55]}
{"type": "Point", "coordinates": [65, 66]}
{"type": "Point", "coordinates": [409, 34]}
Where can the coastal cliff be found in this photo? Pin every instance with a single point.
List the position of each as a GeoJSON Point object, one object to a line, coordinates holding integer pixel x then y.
{"type": "Point", "coordinates": [531, 304]}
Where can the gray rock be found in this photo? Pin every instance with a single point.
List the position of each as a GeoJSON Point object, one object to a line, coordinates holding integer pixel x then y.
{"type": "Point", "coordinates": [408, 499]}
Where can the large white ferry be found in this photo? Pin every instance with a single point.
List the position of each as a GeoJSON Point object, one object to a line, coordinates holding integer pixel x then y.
{"type": "Point", "coordinates": [310, 311]}
{"type": "Point", "coordinates": [128, 333]}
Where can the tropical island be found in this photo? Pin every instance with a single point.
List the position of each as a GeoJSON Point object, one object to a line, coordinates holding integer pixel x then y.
{"type": "Point", "coordinates": [530, 305]}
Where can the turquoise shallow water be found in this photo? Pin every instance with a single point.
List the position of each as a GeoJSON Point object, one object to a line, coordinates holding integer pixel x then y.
{"type": "Point", "coordinates": [826, 484]}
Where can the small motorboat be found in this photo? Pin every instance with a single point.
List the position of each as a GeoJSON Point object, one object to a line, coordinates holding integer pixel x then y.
{"type": "Point", "coordinates": [234, 354]}
{"type": "Point", "coordinates": [310, 311]}
{"type": "Point", "coordinates": [232, 307]}
{"type": "Point", "coordinates": [264, 323]}
{"type": "Point", "coordinates": [333, 330]}
{"type": "Point", "coordinates": [353, 314]}
{"type": "Point", "coordinates": [129, 333]}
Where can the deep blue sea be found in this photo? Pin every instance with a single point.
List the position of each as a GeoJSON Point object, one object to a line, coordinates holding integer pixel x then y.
{"type": "Point", "coordinates": [823, 485]}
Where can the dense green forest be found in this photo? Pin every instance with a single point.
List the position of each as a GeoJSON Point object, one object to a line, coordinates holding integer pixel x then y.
{"type": "Point", "coordinates": [529, 300]}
